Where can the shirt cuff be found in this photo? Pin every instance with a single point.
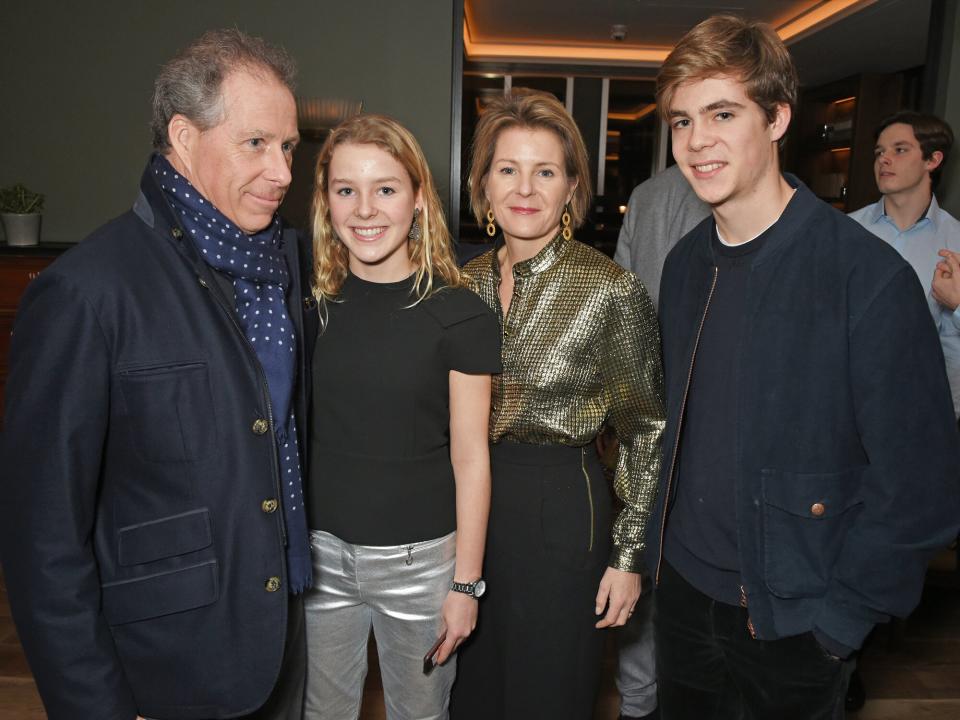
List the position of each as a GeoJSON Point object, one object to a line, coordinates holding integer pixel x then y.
{"type": "Point", "coordinates": [627, 559]}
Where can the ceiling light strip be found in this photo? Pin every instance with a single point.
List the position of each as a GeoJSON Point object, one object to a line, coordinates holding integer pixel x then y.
{"type": "Point", "coordinates": [819, 17]}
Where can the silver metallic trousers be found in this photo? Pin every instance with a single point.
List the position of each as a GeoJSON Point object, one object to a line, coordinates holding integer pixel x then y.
{"type": "Point", "coordinates": [636, 677]}
{"type": "Point", "coordinates": [397, 591]}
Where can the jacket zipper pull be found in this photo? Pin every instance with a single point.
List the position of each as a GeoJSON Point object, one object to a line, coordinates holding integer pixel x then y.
{"type": "Point", "coordinates": [409, 559]}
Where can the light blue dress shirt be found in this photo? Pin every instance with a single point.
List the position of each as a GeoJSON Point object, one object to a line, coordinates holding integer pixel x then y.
{"type": "Point", "coordinates": [919, 245]}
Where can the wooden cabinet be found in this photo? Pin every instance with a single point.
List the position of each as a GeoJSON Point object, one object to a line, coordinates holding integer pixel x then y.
{"type": "Point", "coordinates": [18, 267]}
{"type": "Point", "coordinates": [831, 142]}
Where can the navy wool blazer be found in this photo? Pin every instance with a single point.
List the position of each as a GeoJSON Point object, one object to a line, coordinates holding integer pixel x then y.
{"type": "Point", "coordinates": [136, 539]}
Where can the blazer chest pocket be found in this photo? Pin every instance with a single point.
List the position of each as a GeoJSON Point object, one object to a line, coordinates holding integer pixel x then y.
{"type": "Point", "coordinates": [169, 407]}
{"type": "Point", "coordinates": [805, 519]}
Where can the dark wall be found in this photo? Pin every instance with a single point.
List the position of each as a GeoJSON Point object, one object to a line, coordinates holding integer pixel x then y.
{"type": "Point", "coordinates": [587, 94]}
{"type": "Point", "coordinates": [77, 81]}
{"type": "Point", "coordinates": [946, 97]}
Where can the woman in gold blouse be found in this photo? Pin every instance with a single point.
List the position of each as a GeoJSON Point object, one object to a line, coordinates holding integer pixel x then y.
{"type": "Point", "coordinates": [580, 351]}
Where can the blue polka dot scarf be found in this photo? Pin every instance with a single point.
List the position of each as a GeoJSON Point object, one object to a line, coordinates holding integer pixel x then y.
{"type": "Point", "coordinates": [258, 268]}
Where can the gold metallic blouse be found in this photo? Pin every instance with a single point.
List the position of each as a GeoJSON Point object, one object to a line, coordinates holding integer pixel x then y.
{"type": "Point", "coordinates": [581, 349]}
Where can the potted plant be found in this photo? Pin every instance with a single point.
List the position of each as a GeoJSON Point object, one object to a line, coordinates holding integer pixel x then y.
{"type": "Point", "coordinates": [20, 210]}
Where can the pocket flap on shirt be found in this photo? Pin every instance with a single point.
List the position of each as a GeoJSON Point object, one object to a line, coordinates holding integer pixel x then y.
{"type": "Point", "coordinates": [161, 594]}
{"type": "Point", "coordinates": [164, 537]}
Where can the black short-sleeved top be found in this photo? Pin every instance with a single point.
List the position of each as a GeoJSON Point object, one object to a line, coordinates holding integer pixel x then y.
{"type": "Point", "coordinates": [380, 441]}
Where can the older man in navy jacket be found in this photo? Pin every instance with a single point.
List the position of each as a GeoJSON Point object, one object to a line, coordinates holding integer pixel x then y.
{"type": "Point", "coordinates": [152, 526]}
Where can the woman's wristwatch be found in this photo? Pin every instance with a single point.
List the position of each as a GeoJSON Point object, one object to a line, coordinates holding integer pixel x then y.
{"type": "Point", "coordinates": [474, 589]}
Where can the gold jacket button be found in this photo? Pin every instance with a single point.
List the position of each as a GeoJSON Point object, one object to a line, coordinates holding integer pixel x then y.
{"type": "Point", "coordinates": [269, 506]}
{"type": "Point", "coordinates": [817, 509]}
{"type": "Point", "coordinates": [260, 426]}
{"type": "Point", "coordinates": [177, 233]}
{"type": "Point", "coordinates": [272, 584]}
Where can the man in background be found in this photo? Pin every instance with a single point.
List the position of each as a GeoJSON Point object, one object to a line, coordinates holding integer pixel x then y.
{"type": "Point", "coordinates": [910, 152]}
{"type": "Point", "coordinates": [661, 210]}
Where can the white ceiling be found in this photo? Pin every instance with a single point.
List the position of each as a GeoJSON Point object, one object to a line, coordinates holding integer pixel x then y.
{"type": "Point", "coordinates": [879, 36]}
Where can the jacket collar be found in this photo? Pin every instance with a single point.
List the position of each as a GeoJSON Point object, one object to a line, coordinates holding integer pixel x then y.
{"type": "Point", "coordinates": [151, 207]}
{"type": "Point", "coordinates": [543, 260]}
{"type": "Point", "coordinates": [154, 210]}
{"type": "Point", "coordinates": [782, 233]}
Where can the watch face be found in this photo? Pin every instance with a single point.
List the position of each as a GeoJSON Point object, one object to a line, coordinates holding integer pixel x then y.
{"type": "Point", "coordinates": [480, 588]}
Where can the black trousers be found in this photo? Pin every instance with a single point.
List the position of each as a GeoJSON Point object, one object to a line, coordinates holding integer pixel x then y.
{"type": "Point", "coordinates": [710, 668]}
{"type": "Point", "coordinates": [535, 652]}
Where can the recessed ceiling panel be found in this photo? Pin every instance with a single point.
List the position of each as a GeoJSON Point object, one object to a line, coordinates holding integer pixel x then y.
{"type": "Point", "coordinates": [655, 23]}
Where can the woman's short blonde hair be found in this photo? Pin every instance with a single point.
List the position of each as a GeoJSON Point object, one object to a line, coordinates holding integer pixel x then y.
{"type": "Point", "coordinates": [432, 255]}
{"type": "Point", "coordinates": [535, 111]}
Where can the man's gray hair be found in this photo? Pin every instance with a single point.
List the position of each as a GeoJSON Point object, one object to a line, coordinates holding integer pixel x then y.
{"type": "Point", "coordinates": [190, 83]}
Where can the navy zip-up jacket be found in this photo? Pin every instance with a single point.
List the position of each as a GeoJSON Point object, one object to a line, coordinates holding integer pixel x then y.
{"type": "Point", "coordinates": [848, 462]}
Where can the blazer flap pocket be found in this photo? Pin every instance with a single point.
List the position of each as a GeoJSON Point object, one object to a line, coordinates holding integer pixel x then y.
{"type": "Point", "coordinates": [812, 495]}
{"type": "Point", "coordinates": [164, 537]}
{"type": "Point", "coordinates": [160, 594]}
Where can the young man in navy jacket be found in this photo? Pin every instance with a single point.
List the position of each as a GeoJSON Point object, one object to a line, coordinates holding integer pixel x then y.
{"type": "Point", "coordinates": [811, 455]}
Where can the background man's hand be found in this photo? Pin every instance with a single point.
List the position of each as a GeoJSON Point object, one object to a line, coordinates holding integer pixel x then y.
{"type": "Point", "coordinates": [946, 280]}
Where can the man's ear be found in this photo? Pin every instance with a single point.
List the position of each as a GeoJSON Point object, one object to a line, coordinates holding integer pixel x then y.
{"type": "Point", "coordinates": [183, 136]}
{"type": "Point", "coordinates": [934, 161]}
{"type": "Point", "coordinates": [781, 121]}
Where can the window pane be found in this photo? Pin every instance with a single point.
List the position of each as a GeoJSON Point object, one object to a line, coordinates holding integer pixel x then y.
{"type": "Point", "coordinates": [632, 122]}
{"type": "Point", "coordinates": [556, 86]}
{"type": "Point", "coordinates": [477, 91]}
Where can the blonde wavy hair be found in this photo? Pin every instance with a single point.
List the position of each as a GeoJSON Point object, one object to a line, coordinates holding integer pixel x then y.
{"type": "Point", "coordinates": [432, 254]}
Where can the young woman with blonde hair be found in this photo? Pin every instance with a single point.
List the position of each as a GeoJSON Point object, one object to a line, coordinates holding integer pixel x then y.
{"type": "Point", "coordinates": [399, 489]}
